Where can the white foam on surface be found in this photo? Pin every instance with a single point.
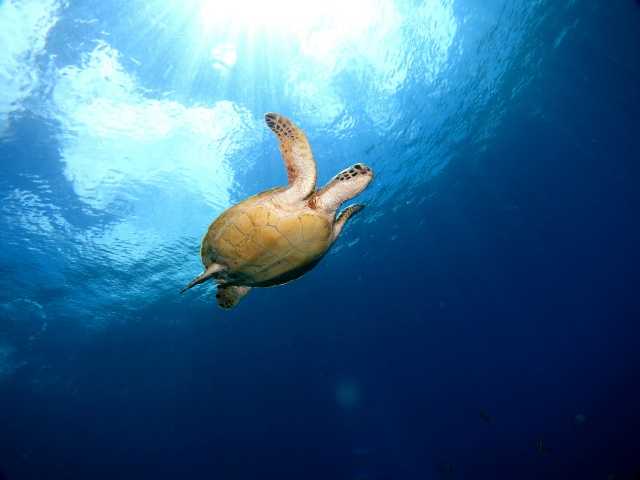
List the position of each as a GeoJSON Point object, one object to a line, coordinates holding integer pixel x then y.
{"type": "Point", "coordinates": [24, 26]}
{"type": "Point", "coordinates": [153, 162]}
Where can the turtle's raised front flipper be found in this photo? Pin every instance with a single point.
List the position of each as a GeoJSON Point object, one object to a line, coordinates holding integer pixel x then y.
{"type": "Point", "coordinates": [297, 156]}
{"type": "Point", "coordinates": [346, 214]}
{"type": "Point", "coordinates": [208, 273]}
{"type": "Point", "coordinates": [229, 296]}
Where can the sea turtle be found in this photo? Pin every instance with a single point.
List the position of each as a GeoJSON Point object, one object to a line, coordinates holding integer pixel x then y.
{"type": "Point", "coordinates": [278, 235]}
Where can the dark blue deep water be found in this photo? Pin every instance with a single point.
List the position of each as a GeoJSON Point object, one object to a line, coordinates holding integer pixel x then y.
{"type": "Point", "coordinates": [478, 320]}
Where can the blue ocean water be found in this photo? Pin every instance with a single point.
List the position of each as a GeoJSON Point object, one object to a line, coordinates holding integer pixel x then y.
{"type": "Point", "coordinates": [478, 320]}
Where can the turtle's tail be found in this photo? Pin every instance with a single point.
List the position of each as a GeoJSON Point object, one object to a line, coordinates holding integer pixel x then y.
{"type": "Point", "coordinates": [208, 273]}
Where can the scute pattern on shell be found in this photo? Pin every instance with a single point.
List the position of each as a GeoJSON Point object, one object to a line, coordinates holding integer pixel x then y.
{"type": "Point", "coordinates": [260, 242]}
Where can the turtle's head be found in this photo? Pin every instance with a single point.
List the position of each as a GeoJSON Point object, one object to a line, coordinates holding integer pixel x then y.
{"type": "Point", "coordinates": [344, 186]}
{"type": "Point", "coordinates": [356, 177]}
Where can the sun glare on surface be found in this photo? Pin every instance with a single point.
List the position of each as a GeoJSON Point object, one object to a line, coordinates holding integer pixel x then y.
{"type": "Point", "coordinates": [286, 16]}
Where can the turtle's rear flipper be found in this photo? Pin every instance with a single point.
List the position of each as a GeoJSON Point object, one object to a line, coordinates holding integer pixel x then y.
{"type": "Point", "coordinates": [229, 296]}
{"type": "Point", "coordinates": [208, 273]}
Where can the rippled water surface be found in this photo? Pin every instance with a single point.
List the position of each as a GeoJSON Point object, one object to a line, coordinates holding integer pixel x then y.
{"type": "Point", "coordinates": [475, 321]}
